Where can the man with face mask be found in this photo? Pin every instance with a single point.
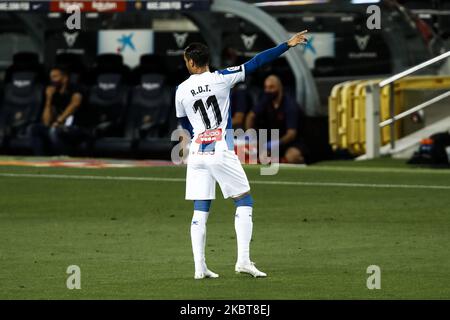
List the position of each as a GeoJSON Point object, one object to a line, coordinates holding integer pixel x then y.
{"type": "Point", "coordinates": [277, 110]}
{"type": "Point", "coordinates": [62, 100]}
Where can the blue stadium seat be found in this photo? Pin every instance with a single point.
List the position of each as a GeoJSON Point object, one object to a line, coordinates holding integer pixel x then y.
{"type": "Point", "coordinates": [104, 109]}
{"type": "Point", "coordinates": [21, 106]}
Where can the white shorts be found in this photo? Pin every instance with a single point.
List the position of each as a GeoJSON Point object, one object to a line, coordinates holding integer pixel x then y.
{"type": "Point", "coordinates": [203, 170]}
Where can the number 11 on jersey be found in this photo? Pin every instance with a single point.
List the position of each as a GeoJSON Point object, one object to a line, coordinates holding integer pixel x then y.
{"type": "Point", "coordinates": [211, 101]}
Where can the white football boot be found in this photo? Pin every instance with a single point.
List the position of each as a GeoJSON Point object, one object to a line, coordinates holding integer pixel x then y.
{"type": "Point", "coordinates": [205, 274]}
{"type": "Point", "coordinates": [250, 269]}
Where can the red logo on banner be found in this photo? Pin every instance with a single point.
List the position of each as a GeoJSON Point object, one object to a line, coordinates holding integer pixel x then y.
{"type": "Point", "coordinates": [61, 6]}
{"type": "Point", "coordinates": [89, 6]}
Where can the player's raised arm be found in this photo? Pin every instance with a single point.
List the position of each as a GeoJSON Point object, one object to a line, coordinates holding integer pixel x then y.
{"type": "Point", "coordinates": [271, 54]}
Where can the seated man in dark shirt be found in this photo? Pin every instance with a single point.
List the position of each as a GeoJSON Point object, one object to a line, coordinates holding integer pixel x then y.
{"type": "Point", "coordinates": [278, 111]}
{"type": "Point", "coordinates": [56, 131]}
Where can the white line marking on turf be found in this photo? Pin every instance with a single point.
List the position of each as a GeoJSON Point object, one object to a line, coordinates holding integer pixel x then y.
{"type": "Point", "coordinates": [367, 169]}
{"type": "Point", "coordinates": [350, 184]}
{"type": "Point", "coordinates": [288, 183]}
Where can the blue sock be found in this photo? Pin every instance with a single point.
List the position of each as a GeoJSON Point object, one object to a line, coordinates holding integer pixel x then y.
{"type": "Point", "coordinates": [202, 205]}
{"type": "Point", "coordinates": [246, 201]}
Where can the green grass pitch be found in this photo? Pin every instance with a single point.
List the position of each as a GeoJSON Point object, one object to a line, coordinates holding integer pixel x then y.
{"type": "Point", "coordinates": [131, 239]}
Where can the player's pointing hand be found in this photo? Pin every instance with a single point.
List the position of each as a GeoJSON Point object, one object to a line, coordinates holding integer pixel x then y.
{"type": "Point", "coordinates": [298, 38]}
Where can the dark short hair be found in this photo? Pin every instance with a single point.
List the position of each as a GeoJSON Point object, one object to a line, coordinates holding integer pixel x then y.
{"type": "Point", "coordinates": [197, 52]}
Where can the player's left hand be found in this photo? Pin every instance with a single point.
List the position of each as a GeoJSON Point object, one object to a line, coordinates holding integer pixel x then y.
{"type": "Point", "coordinates": [298, 38]}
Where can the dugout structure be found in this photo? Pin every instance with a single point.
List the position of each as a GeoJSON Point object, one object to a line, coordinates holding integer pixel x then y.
{"type": "Point", "coordinates": [347, 114]}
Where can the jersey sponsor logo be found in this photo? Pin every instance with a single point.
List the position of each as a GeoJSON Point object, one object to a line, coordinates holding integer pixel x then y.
{"type": "Point", "coordinates": [231, 70]}
{"type": "Point", "coordinates": [209, 136]}
{"type": "Point", "coordinates": [238, 68]}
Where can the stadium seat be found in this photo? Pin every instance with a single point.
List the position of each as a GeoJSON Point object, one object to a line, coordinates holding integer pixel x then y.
{"type": "Point", "coordinates": [108, 63]}
{"type": "Point", "coordinates": [21, 106]}
{"type": "Point", "coordinates": [25, 62]}
{"type": "Point", "coordinates": [152, 116]}
{"type": "Point", "coordinates": [105, 113]}
{"type": "Point", "coordinates": [148, 64]}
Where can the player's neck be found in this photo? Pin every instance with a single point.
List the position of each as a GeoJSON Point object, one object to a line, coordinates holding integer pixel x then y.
{"type": "Point", "coordinates": [200, 70]}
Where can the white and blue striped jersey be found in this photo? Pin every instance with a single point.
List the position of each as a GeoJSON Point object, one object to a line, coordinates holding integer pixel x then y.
{"type": "Point", "coordinates": [205, 100]}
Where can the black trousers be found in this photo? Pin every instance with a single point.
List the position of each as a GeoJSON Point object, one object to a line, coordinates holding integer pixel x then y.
{"type": "Point", "coordinates": [62, 140]}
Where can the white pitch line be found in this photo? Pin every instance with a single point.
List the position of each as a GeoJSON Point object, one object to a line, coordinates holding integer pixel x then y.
{"type": "Point", "coordinates": [350, 184]}
{"type": "Point", "coordinates": [442, 171]}
{"type": "Point", "coordinates": [89, 177]}
{"type": "Point", "coordinates": [288, 183]}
